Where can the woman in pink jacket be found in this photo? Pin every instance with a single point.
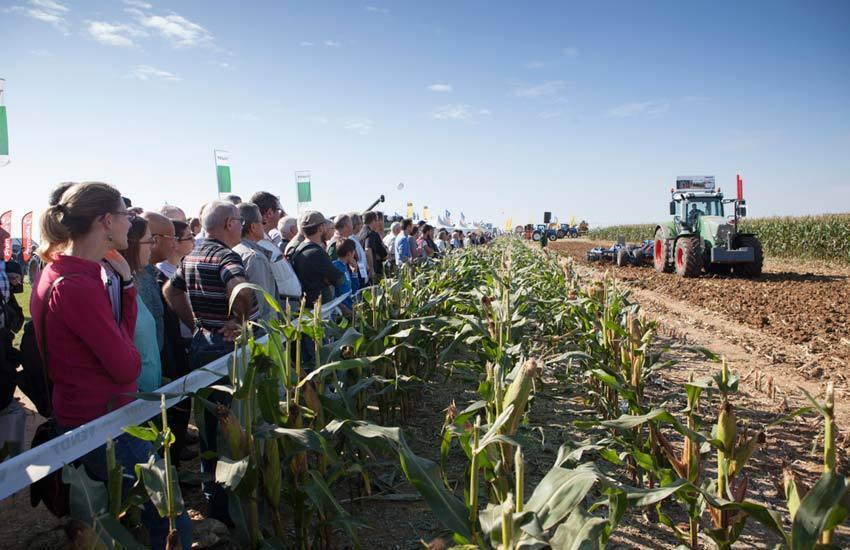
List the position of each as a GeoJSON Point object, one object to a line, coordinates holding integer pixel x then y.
{"type": "Point", "coordinates": [90, 358]}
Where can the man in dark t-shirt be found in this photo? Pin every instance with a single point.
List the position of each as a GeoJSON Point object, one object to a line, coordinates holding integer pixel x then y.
{"type": "Point", "coordinates": [310, 260]}
{"type": "Point", "coordinates": [373, 243]}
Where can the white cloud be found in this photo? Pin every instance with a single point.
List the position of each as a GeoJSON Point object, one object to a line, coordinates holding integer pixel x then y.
{"type": "Point", "coordinates": [305, 44]}
{"type": "Point", "coordinates": [570, 52]}
{"type": "Point", "coordinates": [535, 65]}
{"type": "Point", "coordinates": [46, 11]}
{"type": "Point", "coordinates": [113, 34]}
{"type": "Point", "coordinates": [440, 88]}
{"type": "Point", "coordinates": [697, 99]}
{"type": "Point", "coordinates": [175, 28]}
{"type": "Point", "coordinates": [376, 9]}
{"type": "Point", "coordinates": [639, 108]}
{"type": "Point", "coordinates": [361, 126]}
{"type": "Point", "coordinates": [146, 72]}
{"type": "Point", "coordinates": [551, 87]}
{"type": "Point", "coordinates": [138, 4]}
{"type": "Point", "coordinates": [41, 52]}
{"type": "Point", "coordinates": [458, 112]}
{"type": "Point", "coordinates": [332, 43]}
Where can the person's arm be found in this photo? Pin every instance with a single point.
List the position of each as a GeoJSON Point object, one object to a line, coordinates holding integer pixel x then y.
{"type": "Point", "coordinates": [174, 292]}
{"type": "Point", "coordinates": [85, 310]}
{"type": "Point", "coordinates": [370, 262]}
{"type": "Point", "coordinates": [328, 271]}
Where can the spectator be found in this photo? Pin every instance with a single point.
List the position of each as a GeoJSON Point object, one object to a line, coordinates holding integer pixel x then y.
{"type": "Point", "coordinates": [467, 241]}
{"type": "Point", "coordinates": [91, 359]}
{"type": "Point", "coordinates": [11, 321]}
{"type": "Point", "coordinates": [162, 231]}
{"type": "Point", "coordinates": [327, 232]}
{"type": "Point", "coordinates": [343, 230]}
{"type": "Point", "coordinates": [137, 254]}
{"type": "Point", "coordinates": [443, 245]}
{"type": "Point", "coordinates": [200, 293]}
{"type": "Point", "coordinates": [310, 261]}
{"type": "Point", "coordinates": [272, 211]}
{"type": "Point", "coordinates": [178, 338]}
{"type": "Point", "coordinates": [235, 200]}
{"type": "Point", "coordinates": [362, 265]}
{"type": "Point", "coordinates": [412, 238]}
{"type": "Point", "coordinates": [346, 263]}
{"type": "Point", "coordinates": [254, 257]}
{"type": "Point", "coordinates": [288, 287]}
{"type": "Point", "coordinates": [402, 242]}
{"type": "Point", "coordinates": [173, 212]}
{"type": "Point", "coordinates": [389, 242]}
{"type": "Point", "coordinates": [457, 242]}
{"type": "Point", "coordinates": [288, 227]}
{"type": "Point", "coordinates": [195, 226]}
{"type": "Point", "coordinates": [426, 242]}
{"type": "Point", "coordinates": [376, 252]}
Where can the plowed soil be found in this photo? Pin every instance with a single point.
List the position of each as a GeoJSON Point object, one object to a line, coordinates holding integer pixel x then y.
{"type": "Point", "coordinates": [806, 305]}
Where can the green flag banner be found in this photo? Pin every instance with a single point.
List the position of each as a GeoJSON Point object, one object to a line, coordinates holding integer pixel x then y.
{"type": "Point", "coordinates": [302, 182]}
{"type": "Point", "coordinates": [222, 170]}
{"type": "Point", "coordinates": [4, 126]}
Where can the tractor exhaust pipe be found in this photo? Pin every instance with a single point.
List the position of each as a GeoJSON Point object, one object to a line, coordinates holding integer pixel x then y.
{"type": "Point", "coordinates": [740, 188]}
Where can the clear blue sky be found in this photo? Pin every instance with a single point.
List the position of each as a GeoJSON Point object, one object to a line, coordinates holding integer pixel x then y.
{"type": "Point", "coordinates": [496, 109]}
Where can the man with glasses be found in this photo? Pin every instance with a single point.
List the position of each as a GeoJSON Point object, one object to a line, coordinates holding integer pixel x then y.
{"type": "Point", "coordinates": [199, 293]}
{"type": "Point", "coordinates": [256, 260]}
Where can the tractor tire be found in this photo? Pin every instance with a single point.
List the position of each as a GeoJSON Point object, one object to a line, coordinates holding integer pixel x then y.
{"type": "Point", "coordinates": [622, 258]}
{"type": "Point", "coordinates": [660, 255]}
{"type": "Point", "coordinates": [536, 236]}
{"type": "Point", "coordinates": [688, 256]}
{"type": "Point", "coordinates": [754, 268]}
{"type": "Point", "coordinates": [561, 234]}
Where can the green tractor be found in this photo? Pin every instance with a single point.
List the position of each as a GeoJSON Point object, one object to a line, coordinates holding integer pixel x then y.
{"type": "Point", "coordinates": [701, 237]}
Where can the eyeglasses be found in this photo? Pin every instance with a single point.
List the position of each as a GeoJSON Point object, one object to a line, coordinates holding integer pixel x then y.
{"type": "Point", "coordinates": [130, 215]}
{"type": "Point", "coordinates": [237, 219]}
{"type": "Point", "coordinates": [164, 236]}
{"type": "Point", "coordinates": [184, 239]}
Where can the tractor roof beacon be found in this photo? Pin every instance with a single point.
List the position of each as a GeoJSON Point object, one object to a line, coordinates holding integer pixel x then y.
{"type": "Point", "coordinates": [701, 237]}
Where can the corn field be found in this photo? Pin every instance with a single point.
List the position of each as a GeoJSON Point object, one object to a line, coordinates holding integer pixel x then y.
{"type": "Point", "coordinates": [825, 237]}
{"type": "Point", "coordinates": [296, 436]}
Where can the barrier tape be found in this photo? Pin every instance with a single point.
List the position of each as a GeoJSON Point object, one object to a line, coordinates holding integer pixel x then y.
{"type": "Point", "coordinates": [28, 467]}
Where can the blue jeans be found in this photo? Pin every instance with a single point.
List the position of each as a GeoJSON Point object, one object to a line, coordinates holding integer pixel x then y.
{"type": "Point", "coordinates": [130, 451]}
{"type": "Point", "coordinates": [205, 348]}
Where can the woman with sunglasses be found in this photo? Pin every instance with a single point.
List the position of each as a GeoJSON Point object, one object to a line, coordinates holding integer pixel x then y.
{"type": "Point", "coordinates": [90, 359]}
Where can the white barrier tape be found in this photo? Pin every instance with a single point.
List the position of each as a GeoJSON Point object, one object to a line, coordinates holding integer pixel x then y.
{"type": "Point", "coordinates": [26, 468]}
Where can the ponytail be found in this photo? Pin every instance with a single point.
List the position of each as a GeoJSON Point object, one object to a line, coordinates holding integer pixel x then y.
{"type": "Point", "coordinates": [72, 216]}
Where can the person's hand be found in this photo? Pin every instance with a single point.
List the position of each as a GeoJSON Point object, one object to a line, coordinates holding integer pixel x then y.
{"type": "Point", "coordinates": [119, 264]}
{"type": "Point", "coordinates": [231, 330]}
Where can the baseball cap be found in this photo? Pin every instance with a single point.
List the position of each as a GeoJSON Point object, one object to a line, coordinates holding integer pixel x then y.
{"type": "Point", "coordinates": [311, 218]}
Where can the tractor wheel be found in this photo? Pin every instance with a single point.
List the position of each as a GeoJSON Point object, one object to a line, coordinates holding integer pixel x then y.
{"type": "Point", "coordinates": [688, 257]}
{"type": "Point", "coordinates": [536, 236]}
{"type": "Point", "coordinates": [622, 258]}
{"type": "Point", "coordinates": [752, 269]}
{"type": "Point", "coordinates": [561, 234]}
{"type": "Point", "coordinates": [660, 259]}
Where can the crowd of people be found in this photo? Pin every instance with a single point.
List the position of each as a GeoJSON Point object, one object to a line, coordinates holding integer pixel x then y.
{"type": "Point", "coordinates": [125, 299]}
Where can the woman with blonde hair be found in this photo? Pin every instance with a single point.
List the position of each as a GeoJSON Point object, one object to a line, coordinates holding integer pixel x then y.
{"type": "Point", "coordinates": [89, 357]}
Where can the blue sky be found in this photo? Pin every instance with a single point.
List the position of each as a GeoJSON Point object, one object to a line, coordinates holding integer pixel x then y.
{"type": "Point", "coordinates": [497, 109]}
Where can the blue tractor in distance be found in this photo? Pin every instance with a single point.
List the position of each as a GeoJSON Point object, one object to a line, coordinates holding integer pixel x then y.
{"type": "Point", "coordinates": [565, 231]}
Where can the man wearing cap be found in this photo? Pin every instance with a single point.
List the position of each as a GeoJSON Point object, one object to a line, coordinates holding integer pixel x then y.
{"type": "Point", "coordinates": [310, 260]}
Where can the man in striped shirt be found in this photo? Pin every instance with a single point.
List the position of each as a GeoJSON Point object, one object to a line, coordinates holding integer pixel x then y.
{"type": "Point", "coordinates": [199, 293]}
